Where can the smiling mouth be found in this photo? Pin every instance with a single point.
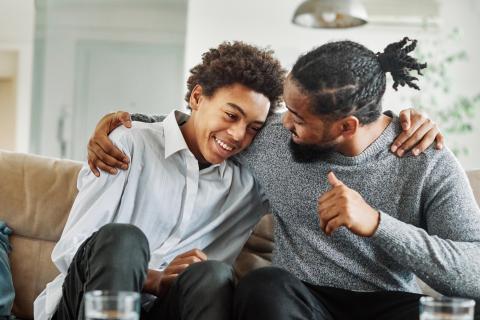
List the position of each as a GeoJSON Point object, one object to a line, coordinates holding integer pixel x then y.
{"type": "Point", "coordinates": [224, 145]}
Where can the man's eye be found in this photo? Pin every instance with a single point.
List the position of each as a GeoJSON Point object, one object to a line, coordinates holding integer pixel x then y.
{"type": "Point", "coordinates": [296, 121]}
{"type": "Point", "coordinates": [231, 115]}
{"type": "Point", "coordinates": [255, 129]}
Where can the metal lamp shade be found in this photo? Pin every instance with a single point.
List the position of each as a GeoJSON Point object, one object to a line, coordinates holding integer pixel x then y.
{"type": "Point", "coordinates": [330, 14]}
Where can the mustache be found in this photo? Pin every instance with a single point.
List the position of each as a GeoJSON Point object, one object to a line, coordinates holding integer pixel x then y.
{"type": "Point", "coordinates": [307, 153]}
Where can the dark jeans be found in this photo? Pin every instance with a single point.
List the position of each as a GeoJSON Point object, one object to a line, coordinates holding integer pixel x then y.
{"type": "Point", "coordinates": [204, 291]}
{"type": "Point", "coordinates": [7, 292]}
{"type": "Point", "coordinates": [273, 293]}
{"type": "Point", "coordinates": [116, 258]}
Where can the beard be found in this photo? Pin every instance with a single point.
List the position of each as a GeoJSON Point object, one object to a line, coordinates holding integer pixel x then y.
{"type": "Point", "coordinates": [306, 153]}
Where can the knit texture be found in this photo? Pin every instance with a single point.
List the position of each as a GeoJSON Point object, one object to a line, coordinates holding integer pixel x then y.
{"type": "Point", "coordinates": [429, 226]}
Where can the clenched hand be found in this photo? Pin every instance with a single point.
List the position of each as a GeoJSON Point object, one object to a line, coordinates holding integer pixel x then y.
{"type": "Point", "coordinates": [342, 206]}
{"type": "Point", "coordinates": [158, 282]}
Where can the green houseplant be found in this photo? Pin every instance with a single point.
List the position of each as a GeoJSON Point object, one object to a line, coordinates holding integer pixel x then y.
{"type": "Point", "coordinates": [454, 112]}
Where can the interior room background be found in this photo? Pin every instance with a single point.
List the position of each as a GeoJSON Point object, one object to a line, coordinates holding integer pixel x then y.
{"type": "Point", "coordinates": [65, 63]}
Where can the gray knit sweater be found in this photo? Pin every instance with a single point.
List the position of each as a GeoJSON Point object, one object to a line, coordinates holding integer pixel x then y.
{"type": "Point", "coordinates": [429, 224]}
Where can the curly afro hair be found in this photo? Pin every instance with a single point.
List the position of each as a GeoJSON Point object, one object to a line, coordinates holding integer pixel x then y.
{"type": "Point", "coordinates": [241, 63]}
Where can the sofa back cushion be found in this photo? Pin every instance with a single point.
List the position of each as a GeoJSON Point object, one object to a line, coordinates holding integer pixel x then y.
{"type": "Point", "coordinates": [474, 177]}
{"type": "Point", "coordinates": [36, 194]}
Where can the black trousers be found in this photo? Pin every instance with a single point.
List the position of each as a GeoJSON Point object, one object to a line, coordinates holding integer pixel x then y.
{"type": "Point", "coordinates": [273, 293]}
{"type": "Point", "coordinates": [116, 258]}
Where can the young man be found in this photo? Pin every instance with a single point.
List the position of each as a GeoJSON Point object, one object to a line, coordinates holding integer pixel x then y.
{"type": "Point", "coordinates": [180, 201]}
{"type": "Point", "coordinates": [344, 257]}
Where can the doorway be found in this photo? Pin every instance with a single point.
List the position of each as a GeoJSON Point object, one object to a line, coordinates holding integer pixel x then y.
{"type": "Point", "coordinates": [8, 105]}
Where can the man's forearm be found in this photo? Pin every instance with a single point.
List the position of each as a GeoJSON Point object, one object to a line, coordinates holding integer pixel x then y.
{"type": "Point", "coordinates": [450, 267]}
{"type": "Point", "coordinates": [147, 118]}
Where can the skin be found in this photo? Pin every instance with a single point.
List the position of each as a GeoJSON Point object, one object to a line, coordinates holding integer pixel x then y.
{"type": "Point", "coordinates": [229, 119]}
{"type": "Point", "coordinates": [345, 135]}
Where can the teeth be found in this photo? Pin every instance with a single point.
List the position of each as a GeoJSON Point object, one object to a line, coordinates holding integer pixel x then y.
{"type": "Point", "coordinates": [223, 145]}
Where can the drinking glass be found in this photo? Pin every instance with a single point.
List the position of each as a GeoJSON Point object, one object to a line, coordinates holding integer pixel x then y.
{"type": "Point", "coordinates": [110, 305]}
{"type": "Point", "coordinates": [444, 308]}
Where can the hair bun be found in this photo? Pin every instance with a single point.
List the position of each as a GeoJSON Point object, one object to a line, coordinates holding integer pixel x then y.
{"type": "Point", "coordinates": [395, 59]}
{"type": "Point", "coordinates": [386, 62]}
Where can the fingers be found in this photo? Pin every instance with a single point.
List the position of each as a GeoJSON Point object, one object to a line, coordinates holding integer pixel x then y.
{"type": "Point", "coordinates": [326, 196]}
{"type": "Point", "coordinates": [397, 145]}
{"type": "Point", "coordinates": [186, 260]}
{"type": "Point", "coordinates": [417, 137]}
{"type": "Point", "coordinates": [194, 252]}
{"type": "Point", "coordinates": [427, 140]}
{"type": "Point", "coordinates": [122, 118]}
{"type": "Point", "coordinates": [112, 155]}
{"type": "Point", "coordinates": [102, 160]}
{"type": "Point", "coordinates": [106, 156]}
{"type": "Point", "coordinates": [93, 168]}
{"type": "Point", "coordinates": [181, 262]}
{"type": "Point", "coordinates": [405, 116]}
{"type": "Point", "coordinates": [334, 224]}
{"type": "Point", "coordinates": [175, 269]}
{"type": "Point", "coordinates": [440, 141]}
{"type": "Point", "coordinates": [111, 150]}
{"type": "Point", "coordinates": [95, 160]}
{"type": "Point", "coordinates": [110, 161]}
{"type": "Point", "coordinates": [326, 215]}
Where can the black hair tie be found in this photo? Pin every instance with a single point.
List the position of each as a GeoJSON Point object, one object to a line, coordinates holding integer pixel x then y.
{"type": "Point", "coordinates": [387, 62]}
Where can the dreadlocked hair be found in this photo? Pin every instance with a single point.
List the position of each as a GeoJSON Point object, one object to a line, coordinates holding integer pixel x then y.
{"type": "Point", "coordinates": [238, 62]}
{"type": "Point", "coordinates": [345, 78]}
{"type": "Point", "coordinates": [395, 59]}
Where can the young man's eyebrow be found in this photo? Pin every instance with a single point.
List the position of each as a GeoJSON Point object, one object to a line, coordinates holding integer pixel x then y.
{"type": "Point", "coordinates": [239, 109]}
{"type": "Point", "coordinates": [296, 114]}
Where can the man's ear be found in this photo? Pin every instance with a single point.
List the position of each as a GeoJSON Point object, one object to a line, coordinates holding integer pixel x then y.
{"type": "Point", "coordinates": [195, 97]}
{"type": "Point", "coordinates": [349, 126]}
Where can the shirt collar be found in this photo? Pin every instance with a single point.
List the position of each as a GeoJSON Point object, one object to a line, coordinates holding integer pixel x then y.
{"type": "Point", "coordinates": [174, 140]}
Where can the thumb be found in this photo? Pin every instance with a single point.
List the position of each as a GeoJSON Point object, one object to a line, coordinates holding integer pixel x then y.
{"type": "Point", "coordinates": [124, 118]}
{"type": "Point", "coordinates": [333, 180]}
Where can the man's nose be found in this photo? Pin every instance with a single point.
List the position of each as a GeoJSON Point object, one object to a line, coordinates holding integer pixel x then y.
{"type": "Point", "coordinates": [287, 121]}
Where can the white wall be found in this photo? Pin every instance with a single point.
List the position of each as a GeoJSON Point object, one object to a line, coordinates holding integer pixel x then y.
{"type": "Point", "coordinates": [16, 34]}
{"type": "Point", "coordinates": [8, 114]}
{"type": "Point", "coordinates": [267, 23]}
{"type": "Point", "coordinates": [87, 31]}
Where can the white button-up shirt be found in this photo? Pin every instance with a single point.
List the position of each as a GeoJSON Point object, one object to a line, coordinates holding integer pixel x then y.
{"type": "Point", "coordinates": [176, 205]}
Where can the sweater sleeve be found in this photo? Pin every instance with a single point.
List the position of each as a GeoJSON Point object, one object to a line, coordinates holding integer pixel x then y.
{"type": "Point", "coordinates": [445, 251]}
{"type": "Point", "coordinates": [147, 118]}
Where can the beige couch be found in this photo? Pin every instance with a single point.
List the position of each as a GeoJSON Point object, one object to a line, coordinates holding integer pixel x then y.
{"type": "Point", "coordinates": [36, 194]}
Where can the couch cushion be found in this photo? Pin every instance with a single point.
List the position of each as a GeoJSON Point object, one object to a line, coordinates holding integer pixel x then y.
{"type": "Point", "coordinates": [257, 251]}
{"type": "Point", "coordinates": [36, 194]}
{"type": "Point", "coordinates": [32, 270]}
{"type": "Point", "coordinates": [474, 177]}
